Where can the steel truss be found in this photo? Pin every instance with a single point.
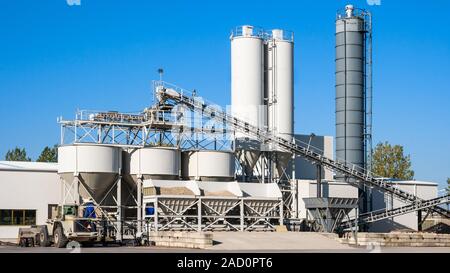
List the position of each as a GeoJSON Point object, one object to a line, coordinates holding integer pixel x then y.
{"type": "Point", "coordinates": [380, 215]}
{"type": "Point", "coordinates": [153, 127]}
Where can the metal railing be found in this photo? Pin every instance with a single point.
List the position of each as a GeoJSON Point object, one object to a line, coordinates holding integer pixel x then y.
{"type": "Point", "coordinates": [261, 33]}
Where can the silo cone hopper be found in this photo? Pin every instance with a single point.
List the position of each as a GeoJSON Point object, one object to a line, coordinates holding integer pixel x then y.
{"type": "Point", "coordinates": [95, 185]}
{"type": "Point", "coordinates": [282, 161]}
{"type": "Point", "coordinates": [329, 212]}
{"type": "Point", "coordinates": [248, 153]}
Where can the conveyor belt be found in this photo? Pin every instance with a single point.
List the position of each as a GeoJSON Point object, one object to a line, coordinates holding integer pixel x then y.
{"type": "Point", "coordinates": [376, 216]}
{"type": "Point", "coordinates": [357, 176]}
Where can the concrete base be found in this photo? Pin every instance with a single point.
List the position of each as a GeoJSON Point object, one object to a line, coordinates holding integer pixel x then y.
{"type": "Point", "coordinates": [398, 239]}
{"type": "Point", "coordinates": [178, 239]}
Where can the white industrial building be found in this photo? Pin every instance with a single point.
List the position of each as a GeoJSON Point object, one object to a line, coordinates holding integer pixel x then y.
{"type": "Point", "coordinates": [29, 194]}
{"type": "Point", "coordinates": [304, 170]}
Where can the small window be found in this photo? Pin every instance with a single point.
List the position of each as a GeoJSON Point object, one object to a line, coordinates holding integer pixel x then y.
{"type": "Point", "coordinates": [52, 211]}
{"type": "Point", "coordinates": [9, 217]}
{"type": "Point", "coordinates": [5, 217]}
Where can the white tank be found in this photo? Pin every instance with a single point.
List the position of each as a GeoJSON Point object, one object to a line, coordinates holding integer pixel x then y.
{"type": "Point", "coordinates": [280, 84]}
{"type": "Point", "coordinates": [208, 165]}
{"type": "Point", "coordinates": [152, 163]}
{"type": "Point", "coordinates": [98, 167]}
{"type": "Point", "coordinates": [247, 87]}
{"type": "Point", "coordinates": [247, 74]}
{"type": "Point", "coordinates": [280, 90]}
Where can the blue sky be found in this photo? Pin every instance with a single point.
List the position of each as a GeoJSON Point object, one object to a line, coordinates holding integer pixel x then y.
{"type": "Point", "coordinates": [55, 58]}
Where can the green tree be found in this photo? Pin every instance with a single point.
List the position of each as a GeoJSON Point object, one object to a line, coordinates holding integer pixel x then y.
{"type": "Point", "coordinates": [17, 154]}
{"type": "Point", "coordinates": [390, 162]}
{"type": "Point", "coordinates": [49, 154]}
{"type": "Point", "coordinates": [448, 185]}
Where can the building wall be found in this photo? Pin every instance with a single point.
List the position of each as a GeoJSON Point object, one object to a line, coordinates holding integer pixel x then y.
{"type": "Point", "coordinates": [304, 170]}
{"type": "Point", "coordinates": [424, 190]}
{"type": "Point", "coordinates": [28, 190]}
{"type": "Point", "coordinates": [308, 189]}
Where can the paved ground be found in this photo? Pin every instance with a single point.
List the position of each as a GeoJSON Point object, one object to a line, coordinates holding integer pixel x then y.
{"type": "Point", "coordinates": [283, 241]}
{"type": "Point", "coordinates": [245, 243]}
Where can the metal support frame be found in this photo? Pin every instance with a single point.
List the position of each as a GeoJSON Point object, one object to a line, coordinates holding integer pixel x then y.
{"type": "Point", "coordinates": [319, 181]}
{"type": "Point", "coordinates": [70, 191]}
{"type": "Point", "coordinates": [214, 213]}
{"type": "Point", "coordinates": [71, 196]}
{"type": "Point", "coordinates": [154, 127]}
{"type": "Point", "coordinates": [380, 215]}
{"type": "Point", "coordinates": [139, 211]}
{"type": "Point", "coordinates": [119, 236]}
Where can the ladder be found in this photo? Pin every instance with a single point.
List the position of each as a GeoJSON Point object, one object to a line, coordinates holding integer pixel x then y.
{"type": "Point", "coordinates": [358, 176]}
{"type": "Point", "coordinates": [376, 216]}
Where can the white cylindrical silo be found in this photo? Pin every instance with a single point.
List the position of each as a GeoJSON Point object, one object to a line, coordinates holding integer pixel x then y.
{"type": "Point", "coordinates": [280, 83]}
{"type": "Point", "coordinates": [279, 91]}
{"type": "Point", "coordinates": [247, 74]}
{"type": "Point", "coordinates": [161, 163]}
{"type": "Point", "coordinates": [97, 168]}
{"type": "Point", "coordinates": [208, 165]}
{"type": "Point", "coordinates": [247, 88]}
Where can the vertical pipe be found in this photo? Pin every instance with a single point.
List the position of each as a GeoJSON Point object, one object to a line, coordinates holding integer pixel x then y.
{"type": "Point", "coordinates": [139, 204]}
{"type": "Point", "coordinates": [281, 212]}
{"type": "Point", "coordinates": [297, 213]}
{"type": "Point", "coordinates": [199, 215]}
{"type": "Point", "coordinates": [62, 134]}
{"type": "Point", "coordinates": [241, 210]}
{"type": "Point", "coordinates": [369, 92]}
{"type": "Point", "coordinates": [356, 225]}
{"type": "Point", "coordinates": [76, 188]}
{"type": "Point", "coordinates": [119, 209]}
{"type": "Point", "coordinates": [319, 181]}
{"type": "Point", "coordinates": [155, 213]}
{"type": "Point", "coordinates": [419, 220]}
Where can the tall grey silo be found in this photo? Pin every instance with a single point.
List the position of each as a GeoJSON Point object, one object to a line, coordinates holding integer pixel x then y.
{"type": "Point", "coordinates": [354, 87]}
{"type": "Point", "coordinates": [351, 86]}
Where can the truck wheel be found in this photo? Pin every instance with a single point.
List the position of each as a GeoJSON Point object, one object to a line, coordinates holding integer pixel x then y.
{"type": "Point", "coordinates": [59, 237]}
{"type": "Point", "coordinates": [43, 237]}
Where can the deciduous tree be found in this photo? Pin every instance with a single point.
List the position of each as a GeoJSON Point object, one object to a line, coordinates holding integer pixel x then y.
{"type": "Point", "coordinates": [389, 161]}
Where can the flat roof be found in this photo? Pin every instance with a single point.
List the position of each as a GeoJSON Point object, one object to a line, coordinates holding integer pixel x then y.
{"type": "Point", "coordinates": [414, 182]}
{"type": "Point", "coordinates": [28, 166]}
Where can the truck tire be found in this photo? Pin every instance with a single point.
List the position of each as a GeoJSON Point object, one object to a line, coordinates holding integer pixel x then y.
{"type": "Point", "coordinates": [59, 237]}
{"type": "Point", "coordinates": [43, 237]}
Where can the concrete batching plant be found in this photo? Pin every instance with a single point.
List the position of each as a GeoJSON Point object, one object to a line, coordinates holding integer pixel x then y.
{"type": "Point", "coordinates": [164, 169]}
